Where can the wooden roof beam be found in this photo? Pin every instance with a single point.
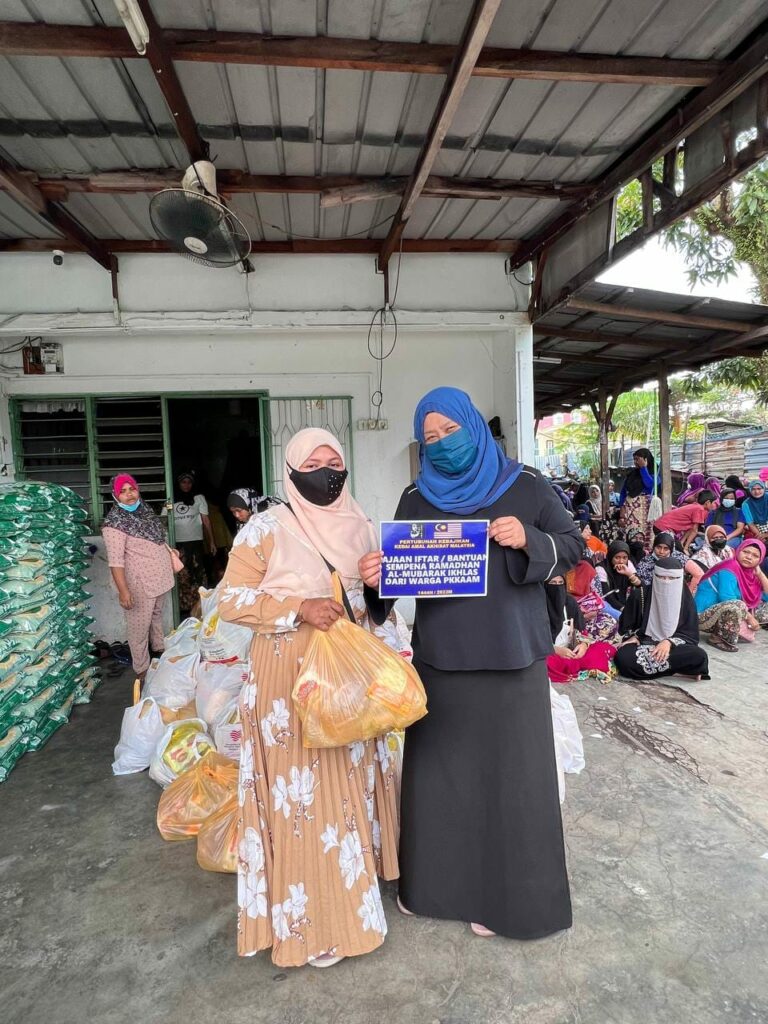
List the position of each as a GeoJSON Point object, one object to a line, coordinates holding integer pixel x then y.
{"type": "Point", "coordinates": [30, 197]}
{"type": "Point", "coordinates": [599, 338]}
{"type": "Point", "coordinates": [617, 312]}
{"type": "Point", "coordinates": [32, 39]}
{"type": "Point", "coordinates": [160, 57]}
{"type": "Point", "coordinates": [293, 245]}
{"type": "Point", "coordinates": [335, 190]}
{"type": "Point", "coordinates": [736, 78]}
{"type": "Point", "coordinates": [477, 28]}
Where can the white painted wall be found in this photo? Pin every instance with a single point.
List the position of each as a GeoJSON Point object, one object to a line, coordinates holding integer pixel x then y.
{"type": "Point", "coordinates": [188, 329]}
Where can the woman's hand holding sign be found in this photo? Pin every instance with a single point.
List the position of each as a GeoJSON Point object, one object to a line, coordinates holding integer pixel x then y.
{"type": "Point", "coordinates": [508, 531]}
{"type": "Point", "coordinates": [369, 568]}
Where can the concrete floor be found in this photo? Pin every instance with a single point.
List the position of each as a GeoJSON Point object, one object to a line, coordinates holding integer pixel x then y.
{"type": "Point", "coordinates": [667, 833]}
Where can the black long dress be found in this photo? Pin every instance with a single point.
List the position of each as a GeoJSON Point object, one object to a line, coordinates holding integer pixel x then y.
{"type": "Point", "coordinates": [685, 657]}
{"type": "Point", "coordinates": [481, 835]}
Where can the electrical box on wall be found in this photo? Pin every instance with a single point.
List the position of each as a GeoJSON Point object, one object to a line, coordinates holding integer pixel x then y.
{"type": "Point", "coordinates": [42, 357]}
{"type": "Point", "coordinates": [373, 424]}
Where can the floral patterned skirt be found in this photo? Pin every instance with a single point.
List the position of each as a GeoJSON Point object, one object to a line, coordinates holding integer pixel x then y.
{"type": "Point", "coordinates": [316, 826]}
{"type": "Point", "coordinates": [634, 516]}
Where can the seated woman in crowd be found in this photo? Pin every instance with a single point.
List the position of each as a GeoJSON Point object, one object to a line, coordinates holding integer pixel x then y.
{"type": "Point", "coordinates": [755, 511]}
{"type": "Point", "coordinates": [663, 547]}
{"type": "Point", "coordinates": [713, 551]}
{"type": "Point", "coordinates": [729, 516]}
{"type": "Point", "coordinates": [636, 540]}
{"type": "Point", "coordinates": [660, 628]}
{"type": "Point", "coordinates": [695, 483]}
{"type": "Point", "coordinates": [575, 653]}
{"type": "Point", "coordinates": [617, 576]}
{"type": "Point", "coordinates": [730, 598]}
{"type": "Point", "coordinates": [584, 586]}
{"type": "Point", "coordinates": [596, 549]}
{"type": "Point", "coordinates": [735, 484]}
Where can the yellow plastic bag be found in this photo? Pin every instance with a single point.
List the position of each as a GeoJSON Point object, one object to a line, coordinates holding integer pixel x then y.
{"type": "Point", "coordinates": [217, 839]}
{"type": "Point", "coordinates": [195, 795]}
{"type": "Point", "coordinates": [353, 687]}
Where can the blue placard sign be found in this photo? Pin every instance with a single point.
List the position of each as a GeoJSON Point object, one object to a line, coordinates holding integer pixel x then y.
{"type": "Point", "coordinates": [434, 558]}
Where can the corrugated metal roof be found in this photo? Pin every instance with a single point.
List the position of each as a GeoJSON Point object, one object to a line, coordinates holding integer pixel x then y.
{"type": "Point", "coordinates": [72, 115]}
{"type": "Point", "coordinates": [650, 342]}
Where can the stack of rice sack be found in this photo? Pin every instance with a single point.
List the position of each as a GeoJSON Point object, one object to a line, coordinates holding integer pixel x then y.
{"type": "Point", "coordinates": [46, 664]}
{"type": "Point", "coordinates": [186, 730]}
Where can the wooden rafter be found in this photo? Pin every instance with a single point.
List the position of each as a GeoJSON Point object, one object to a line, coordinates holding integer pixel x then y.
{"type": "Point", "coordinates": [294, 245]}
{"type": "Point", "coordinates": [617, 312]}
{"type": "Point", "coordinates": [160, 57]}
{"type": "Point", "coordinates": [31, 39]}
{"type": "Point", "coordinates": [335, 190]}
{"type": "Point", "coordinates": [541, 331]}
{"type": "Point", "coordinates": [477, 28]}
{"type": "Point", "coordinates": [737, 77]}
{"type": "Point", "coordinates": [26, 193]}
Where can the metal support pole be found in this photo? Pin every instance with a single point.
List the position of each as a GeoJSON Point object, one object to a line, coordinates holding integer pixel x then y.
{"type": "Point", "coordinates": [664, 454]}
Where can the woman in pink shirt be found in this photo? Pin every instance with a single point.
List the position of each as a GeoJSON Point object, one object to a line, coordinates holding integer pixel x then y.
{"type": "Point", "coordinates": [140, 562]}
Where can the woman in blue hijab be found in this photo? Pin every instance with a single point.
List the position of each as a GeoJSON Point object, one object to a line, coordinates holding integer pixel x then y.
{"type": "Point", "coordinates": [755, 513]}
{"type": "Point", "coordinates": [481, 835]}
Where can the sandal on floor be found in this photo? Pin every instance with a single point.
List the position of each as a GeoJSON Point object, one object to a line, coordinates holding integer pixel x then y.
{"type": "Point", "coordinates": [325, 960]}
{"type": "Point", "coordinates": [482, 931]}
{"type": "Point", "coordinates": [403, 909]}
{"type": "Point", "coordinates": [721, 645]}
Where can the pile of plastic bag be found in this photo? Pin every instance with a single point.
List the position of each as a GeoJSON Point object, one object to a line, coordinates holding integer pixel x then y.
{"type": "Point", "coordinates": [46, 665]}
{"type": "Point", "coordinates": [189, 704]}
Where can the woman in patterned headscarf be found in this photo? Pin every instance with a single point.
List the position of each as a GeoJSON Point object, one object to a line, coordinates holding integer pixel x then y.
{"type": "Point", "coordinates": [316, 826]}
{"type": "Point", "coordinates": [140, 562]}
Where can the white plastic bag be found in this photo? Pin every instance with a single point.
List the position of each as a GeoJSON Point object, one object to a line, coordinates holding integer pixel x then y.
{"type": "Point", "coordinates": [182, 745]}
{"type": "Point", "coordinates": [139, 735]}
{"type": "Point", "coordinates": [228, 731]}
{"type": "Point", "coordinates": [183, 639]}
{"type": "Point", "coordinates": [219, 640]}
{"type": "Point", "coordinates": [569, 748]}
{"type": "Point", "coordinates": [218, 684]}
{"type": "Point", "coordinates": [171, 680]}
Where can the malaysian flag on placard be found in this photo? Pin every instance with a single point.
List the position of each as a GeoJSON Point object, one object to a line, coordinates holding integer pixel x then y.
{"type": "Point", "coordinates": [451, 531]}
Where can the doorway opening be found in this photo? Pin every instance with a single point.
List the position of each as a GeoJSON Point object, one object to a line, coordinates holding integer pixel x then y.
{"type": "Point", "coordinates": [219, 440]}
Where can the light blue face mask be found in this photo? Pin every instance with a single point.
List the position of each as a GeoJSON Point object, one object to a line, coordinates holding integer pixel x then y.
{"type": "Point", "coordinates": [728, 502]}
{"type": "Point", "coordinates": [130, 508]}
{"type": "Point", "coordinates": [452, 454]}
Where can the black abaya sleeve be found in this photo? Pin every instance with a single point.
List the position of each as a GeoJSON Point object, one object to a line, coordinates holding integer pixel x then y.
{"type": "Point", "coordinates": [378, 607]}
{"type": "Point", "coordinates": [631, 620]}
{"type": "Point", "coordinates": [553, 546]}
{"type": "Point", "coordinates": [688, 626]}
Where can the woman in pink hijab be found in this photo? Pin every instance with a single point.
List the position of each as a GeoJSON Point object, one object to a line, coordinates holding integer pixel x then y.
{"type": "Point", "coordinates": [317, 826]}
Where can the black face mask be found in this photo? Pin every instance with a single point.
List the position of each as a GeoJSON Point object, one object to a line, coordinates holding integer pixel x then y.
{"type": "Point", "coordinates": [718, 543]}
{"type": "Point", "coordinates": [319, 486]}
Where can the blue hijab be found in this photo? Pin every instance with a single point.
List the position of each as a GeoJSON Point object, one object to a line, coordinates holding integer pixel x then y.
{"type": "Point", "coordinates": [755, 510]}
{"type": "Point", "coordinates": [489, 476]}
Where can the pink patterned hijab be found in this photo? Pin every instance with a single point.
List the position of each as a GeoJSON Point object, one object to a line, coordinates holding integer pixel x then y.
{"type": "Point", "coordinates": [749, 582]}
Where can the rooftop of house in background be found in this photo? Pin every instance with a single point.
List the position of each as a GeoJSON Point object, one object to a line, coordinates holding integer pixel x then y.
{"type": "Point", "coordinates": [612, 335]}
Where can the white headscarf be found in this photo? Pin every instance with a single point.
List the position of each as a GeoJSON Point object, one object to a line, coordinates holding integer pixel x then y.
{"type": "Point", "coordinates": [666, 600]}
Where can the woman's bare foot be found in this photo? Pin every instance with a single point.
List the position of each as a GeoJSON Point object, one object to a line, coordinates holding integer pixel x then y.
{"type": "Point", "coordinates": [482, 931]}
{"type": "Point", "coordinates": [403, 909]}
